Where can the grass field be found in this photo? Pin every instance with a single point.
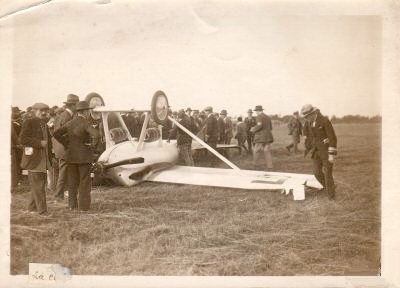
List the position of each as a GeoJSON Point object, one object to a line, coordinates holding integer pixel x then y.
{"type": "Point", "coordinates": [157, 229]}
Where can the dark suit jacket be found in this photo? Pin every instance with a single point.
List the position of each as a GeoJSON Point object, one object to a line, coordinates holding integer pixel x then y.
{"type": "Point", "coordinates": [250, 123]}
{"type": "Point", "coordinates": [221, 129]}
{"type": "Point", "coordinates": [31, 136]}
{"type": "Point", "coordinates": [181, 136]}
{"type": "Point", "coordinates": [241, 132]}
{"type": "Point", "coordinates": [211, 129]}
{"type": "Point", "coordinates": [262, 130]}
{"type": "Point", "coordinates": [317, 133]}
{"type": "Point", "coordinates": [78, 137]}
{"type": "Point", "coordinates": [59, 122]}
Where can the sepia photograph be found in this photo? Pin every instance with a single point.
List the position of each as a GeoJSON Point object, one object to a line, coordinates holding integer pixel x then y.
{"type": "Point", "coordinates": [193, 138]}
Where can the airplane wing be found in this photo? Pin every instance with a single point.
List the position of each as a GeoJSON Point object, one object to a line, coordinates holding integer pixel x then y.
{"type": "Point", "coordinates": [243, 179]}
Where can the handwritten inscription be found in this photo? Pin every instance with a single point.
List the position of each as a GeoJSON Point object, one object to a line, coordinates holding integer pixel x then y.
{"type": "Point", "coordinates": [40, 272]}
{"type": "Point", "coordinates": [39, 275]}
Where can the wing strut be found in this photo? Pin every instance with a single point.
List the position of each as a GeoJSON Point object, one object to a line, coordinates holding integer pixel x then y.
{"type": "Point", "coordinates": [208, 147]}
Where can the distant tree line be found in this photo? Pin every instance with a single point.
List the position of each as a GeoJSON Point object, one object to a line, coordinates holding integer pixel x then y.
{"type": "Point", "coordinates": [356, 119]}
{"type": "Point", "coordinates": [345, 119]}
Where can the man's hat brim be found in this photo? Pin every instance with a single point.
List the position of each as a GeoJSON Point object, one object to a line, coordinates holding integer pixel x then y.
{"type": "Point", "coordinates": [309, 112]}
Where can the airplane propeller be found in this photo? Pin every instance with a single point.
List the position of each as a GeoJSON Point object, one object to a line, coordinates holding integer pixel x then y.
{"type": "Point", "coordinates": [101, 167]}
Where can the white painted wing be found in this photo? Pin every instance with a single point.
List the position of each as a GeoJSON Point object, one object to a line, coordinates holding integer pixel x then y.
{"type": "Point", "coordinates": [243, 179]}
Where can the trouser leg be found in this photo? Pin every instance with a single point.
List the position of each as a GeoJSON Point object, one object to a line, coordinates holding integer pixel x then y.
{"type": "Point", "coordinates": [295, 140]}
{"type": "Point", "coordinates": [249, 144]}
{"type": "Point", "coordinates": [185, 152]}
{"type": "Point", "coordinates": [317, 169]}
{"type": "Point", "coordinates": [38, 194]}
{"type": "Point", "coordinates": [62, 181]}
{"type": "Point", "coordinates": [73, 184]}
{"type": "Point", "coordinates": [258, 155]}
{"type": "Point", "coordinates": [14, 169]}
{"type": "Point", "coordinates": [328, 176]}
{"type": "Point", "coordinates": [268, 156]}
{"type": "Point", "coordinates": [211, 156]}
{"type": "Point", "coordinates": [85, 186]}
{"type": "Point", "coordinates": [32, 203]}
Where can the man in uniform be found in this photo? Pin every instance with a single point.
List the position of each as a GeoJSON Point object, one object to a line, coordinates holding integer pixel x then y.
{"type": "Point", "coordinates": [295, 130]}
{"type": "Point", "coordinates": [35, 137]}
{"type": "Point", "coordinates": [321, 141]}
{"type": "Point", "coordinates": [250, 122]}
{"type": "Point", "coordinates": [79, 138]}
{"type": "Point", "coordinates": [262, 138]}
{"type": "Point", "coordinates": [59, 150]}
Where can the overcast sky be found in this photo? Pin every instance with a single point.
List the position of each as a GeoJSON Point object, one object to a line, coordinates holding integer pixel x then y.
{"type": "Point", "coordinates": [228, 55]}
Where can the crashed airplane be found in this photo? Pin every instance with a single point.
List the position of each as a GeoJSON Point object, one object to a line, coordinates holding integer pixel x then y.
{"type": "Point", "coordinates": [129, 161]}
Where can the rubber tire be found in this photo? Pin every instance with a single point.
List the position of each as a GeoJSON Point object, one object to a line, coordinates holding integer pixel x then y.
{"type": "Point", "coordinates": [154, 111]}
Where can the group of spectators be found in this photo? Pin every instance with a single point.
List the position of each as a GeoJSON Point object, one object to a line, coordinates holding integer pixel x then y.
{"type": "Point", "coordinates": [57, 145]}
{"type": "Point", "coordinates": [256, 132]}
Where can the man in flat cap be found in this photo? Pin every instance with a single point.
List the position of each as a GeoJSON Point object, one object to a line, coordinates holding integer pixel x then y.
{"type": "Point", "coordinates": [262, 139]}
{"type": "Point", "coordinates": [295, 130]}
{"type": "Point", "coordinates": [322, 142]}
{"type": "Point", "coordinates": [250, 122]}
{"type": "Point", "coordinates": [59, 150]}
{"type": "Point", "coordinates": [36, 158]}
{"type": "Point", "coordinates": [210, 131]}
{"type": "Point", "coordinates": [79, 138]}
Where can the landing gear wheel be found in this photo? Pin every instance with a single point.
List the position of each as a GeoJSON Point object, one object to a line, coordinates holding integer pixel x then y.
{"type": "Point", "coordinates": [159, 108]}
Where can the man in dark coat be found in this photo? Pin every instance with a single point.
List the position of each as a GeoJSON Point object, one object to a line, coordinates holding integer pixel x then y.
{"type": "Point", "coordinates": [59, 150]}
{"type": "Point", "coordinates": [183, 140]}
{"type": "Point", "coordinates": [78, 137]}
{"type": "Point", "coordinates": [250, 122]}
{"type": "Point", "coordinates": [211, 128]}
{"type": "Point", "coordinates": [16, 151]}
{"type": "Point", "coordinates": [221, 127]}
{"type": "Point", "coordinates": [35, 137]}
{"type": "Point", "coordinates": [210, 131]}
{"type": "Point", "coordinates": [295, 130]}
{"type": "Point", "coordinates": [241, 134]}
{"type": "Point", "coordinates": [262, 138]}
{"type": "Point", "coordinates": [322, 142]}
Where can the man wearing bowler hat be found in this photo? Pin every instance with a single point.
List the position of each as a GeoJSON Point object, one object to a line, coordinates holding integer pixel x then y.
{"type": "Point", "coordinates": [79, 137]}
{"type": "Point", "coordinates": [59, 150]}
{"type": "Point", "coordinates": [36, 158]}
{"type": "Point", "coordinates": [321, 141]}
{"type": "Point", "coordinates": [262, 139]}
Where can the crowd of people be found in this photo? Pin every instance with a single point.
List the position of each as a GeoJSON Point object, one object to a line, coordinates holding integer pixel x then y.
{"type": "Point", "coordinates": [58, 145]}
